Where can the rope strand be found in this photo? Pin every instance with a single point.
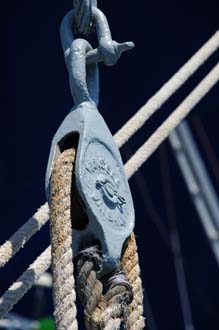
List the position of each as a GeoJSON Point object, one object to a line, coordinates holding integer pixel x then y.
{"type": "Point", "coordinates": [90, 291]}
{"type": "Point", "coordinates": [147, 149]}
{"type": "Point", "coordinates": [89, 288]}
{"type": "Point", "coordinates": [134, 319]}
{"type": "Point", "coordinates": [166, 91]}
{"type": "Point", "coordinates": [61, 242]}
{"type": "Point", "coordinates": [25, 282]}
{"type": "Point", "coordinates": [152, 143]}
{"type": "Point", "coordinates": [7, 250]}
{"type": "Point", "coordinates": [23, 234]}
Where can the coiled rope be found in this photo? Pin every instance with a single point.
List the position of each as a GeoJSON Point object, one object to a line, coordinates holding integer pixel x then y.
{"type": "Point", "coordinates": [90, 289]}
{"type": "Point", "coordinates": [111, 310]}
{"type": "Point", "coordinates": [42, 263]}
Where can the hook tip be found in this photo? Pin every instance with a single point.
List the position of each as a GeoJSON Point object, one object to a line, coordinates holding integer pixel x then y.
{"type": "Point", "coordinates": [130, 44]}
{"type": "Point", "coordinates": [126, 46]}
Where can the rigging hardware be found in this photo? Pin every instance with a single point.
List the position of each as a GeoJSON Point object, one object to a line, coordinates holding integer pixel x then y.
{"type": "Point", "coordinates": [99, 173]}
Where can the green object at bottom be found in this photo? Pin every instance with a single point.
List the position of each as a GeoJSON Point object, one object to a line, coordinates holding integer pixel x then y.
{"type": "Point", "coordinates": [47, 324]}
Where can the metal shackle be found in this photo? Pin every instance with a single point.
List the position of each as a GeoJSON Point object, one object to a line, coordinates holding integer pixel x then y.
{"type": "Point", "coordinates": [109, 50]}
{"type": "Point", "coordinates": [84, 78]}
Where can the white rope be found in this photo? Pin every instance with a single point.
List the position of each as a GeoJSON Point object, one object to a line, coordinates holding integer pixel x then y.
{"type": "Point", "coordinates": [23, 234]}
{"type": "Point", "coordinates": [13, 245]}
{"type": "Point", "coordinates": [167, 90]}
{"type": "Point", "coordinates": [142, 154]}
{"type": "Point", "coordinates": [25, 282]}
{"type": "Point", "coordinates": [146, 150]}
{"type": "Point", "coordinates": [42, 263]}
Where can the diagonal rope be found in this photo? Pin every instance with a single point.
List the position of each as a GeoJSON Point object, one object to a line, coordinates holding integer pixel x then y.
{"type": "Point", "coordinates": [13, 245]}
{"type": "Point", "coordinates": [169, 202]}
{"type": "Point", "coordinates": [206, 147]}
{"type": "Point", "coordinates": [25, 282]}
{"type": "Point", "coordinates": [23, 234]}
{"type": "Point", "coordinates": [143, 153]}
{"type": "Point", "coordinates": [147, 149]}
{"type": "Point", "coordinates": [166, 91]}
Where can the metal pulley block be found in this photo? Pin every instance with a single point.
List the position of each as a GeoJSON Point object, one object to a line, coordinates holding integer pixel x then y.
{"type": "Point", "coordinates": [99, 174]}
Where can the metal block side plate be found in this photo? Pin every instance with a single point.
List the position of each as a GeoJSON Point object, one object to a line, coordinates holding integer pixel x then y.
{"type": "Point", "coordinates": [100, 181]}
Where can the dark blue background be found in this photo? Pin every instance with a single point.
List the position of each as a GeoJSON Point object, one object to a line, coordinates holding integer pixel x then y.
{"type": "Point", "coordinates": [35, 98]}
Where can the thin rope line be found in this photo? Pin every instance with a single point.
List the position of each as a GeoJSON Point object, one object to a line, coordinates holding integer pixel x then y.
{"type": "Point", "coordinates": [206, 147]}
{"type": "Point", "coordinates": [144, 152]}
{"type": "Point", "coordinates": [23, 234]}
{"type": "Point", "coordinates": [25, 282]}
{"type": "Point", "coordinates": [147, 149]}
{"type": "Point", "coordinates": [18, 240]}
{"type": "Point", "coordinates": [166, 91]}
{"type": "Point", "coordinates": [169, 202]}
{"type": "Point", "coordinates": [131, 167]}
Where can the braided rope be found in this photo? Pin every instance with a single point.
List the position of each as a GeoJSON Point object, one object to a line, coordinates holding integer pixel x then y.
{"type": "Point", "coordinates": [117, 300]}
{"type": "Point", "coordinates": [162, 132]}
{"type": "Point", "coordinates": [154, 141]}
{"type": "Point", "coordinates": [61, 240]}
{"type": "Point", "coordinates": [100, 311]}
{"type": "Point", "coordinates": [25, 282]}
{"type": "Point", "coordinates": [7, 250]}
{"type": "Point", "coordinates": [167, 90]}
{"type": "Point", "coordinates": [118, 310]}
{"type": "Point", "coordinates": [23, 234]}
{"type": "Point", "coordinates": [90, 290]}
{"type": "Point", "coordinates": [134, 319]}
{"type": "Point", "coordinates": [42, 263]}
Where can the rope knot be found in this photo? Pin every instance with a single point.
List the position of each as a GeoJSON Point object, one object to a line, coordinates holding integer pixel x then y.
{"type": "Point", "coordinates": [118, 279]}
{"type": "Point", "coordinates": [91, 254]}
